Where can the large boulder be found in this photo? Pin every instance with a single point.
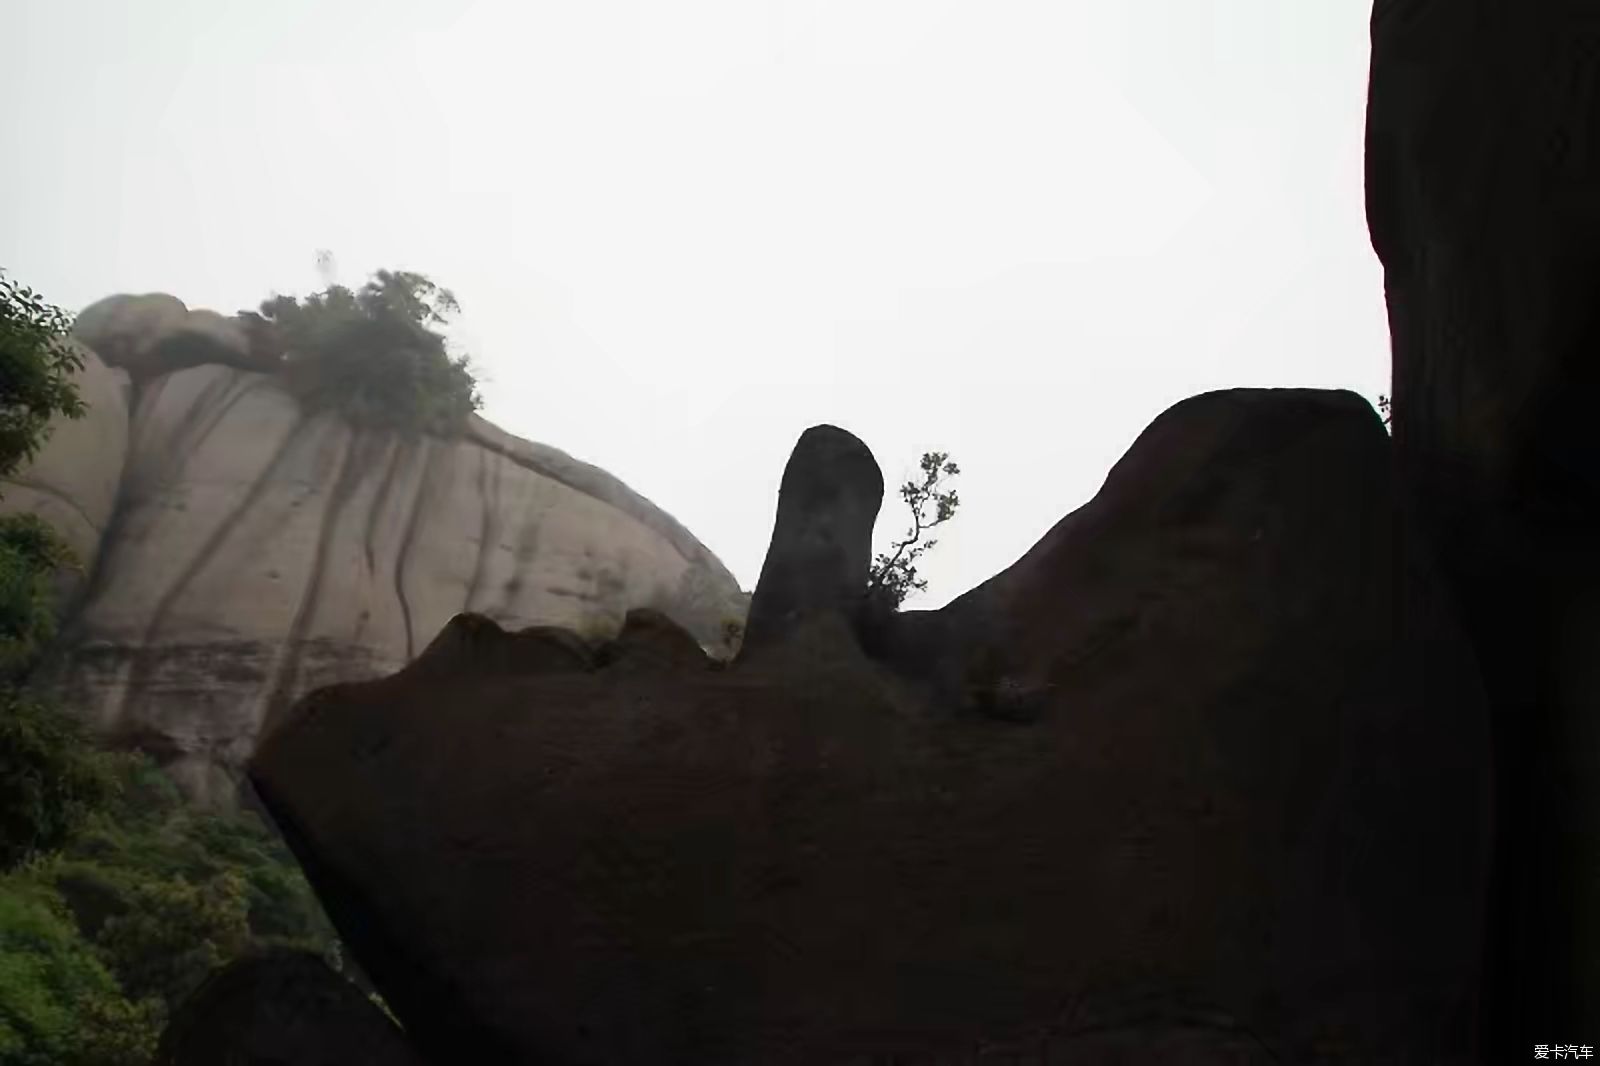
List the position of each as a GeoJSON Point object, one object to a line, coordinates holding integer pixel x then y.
{"type": "Point", "coordinates": [281, 1008]}
{"type": "Point", "coordinates": [1205, 772]}
{"type": "Point", "coordinates": [239, 551]}
{"type": "Point", "coordinates": [1483, 196]}
{"type": "Point", "coordinates": [258, 552]}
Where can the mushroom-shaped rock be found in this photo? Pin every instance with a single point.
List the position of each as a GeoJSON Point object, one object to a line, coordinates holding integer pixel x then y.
{"type": "Point", "coordinates": [1221, 792]}
{"type": "Point", "coordinates": [156, 333]}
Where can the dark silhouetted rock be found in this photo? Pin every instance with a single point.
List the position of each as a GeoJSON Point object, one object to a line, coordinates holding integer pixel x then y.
{"type": "Point", "coordinates": [1206, 771]}
{"type": "Point", "coordinates": [1483, 196]}
{"type": "Point", "coordinates": [283, 1008]}
{"type": "Point", "coordinates": [822, 538]}
{"type": "Point", "coordinates": [475, 643]}
{"type": "Point", "coordinates": [650, 641]}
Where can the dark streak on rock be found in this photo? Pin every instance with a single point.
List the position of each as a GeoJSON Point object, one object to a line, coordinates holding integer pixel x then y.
{"type": "Point", "coordinates": [397, 449]}
{"type": "Point", "coordinates": [142, 393]}
{"type": "Point", "coordinates": [199, 419]}
{"type": "Point", "coordinates": [249, 383]}
{"type": "Point", "coordinates": [55, 494]}
{"type": "Point", "coordinates": [142, 663]}
{"type": "Point", "coordinates": [289, 667]}
{"type": "Point", "coordinates": [423, 481]}
{"type": "Point", "coordinates": [600, 485]}
{"type": "Point", "coordinates": [485, 525]}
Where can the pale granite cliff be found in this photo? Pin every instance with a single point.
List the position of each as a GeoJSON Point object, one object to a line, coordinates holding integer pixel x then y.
{"type": "Point", "coordinates": [239, 551]}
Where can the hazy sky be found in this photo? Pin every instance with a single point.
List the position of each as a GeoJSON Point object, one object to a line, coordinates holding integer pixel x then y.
{"type": "Point", "coordinates": [683, 232]}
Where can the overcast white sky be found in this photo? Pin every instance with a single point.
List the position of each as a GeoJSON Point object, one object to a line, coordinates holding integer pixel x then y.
{"type": "Point", "coordinates": [683, 232]}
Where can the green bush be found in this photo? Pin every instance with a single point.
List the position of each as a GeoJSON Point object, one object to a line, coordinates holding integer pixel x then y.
{"type": "Point", "coordinates": [373, 356]}
{"type": "Point", "coordinates": [36, 369]}
{"type": "Point", "coordinates": [30, 555]}
{"type": "Point", "coordinates": [169, 892]}
{"type": "Point", "coordinates": [51, 779]}
{"type": "Point", "coordinates": [102, 939]}
{"type": "Point", "coordinates": [59, 1004]}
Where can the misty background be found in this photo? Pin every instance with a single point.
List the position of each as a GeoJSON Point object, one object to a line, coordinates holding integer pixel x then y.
{"type": "Point", "coordinates": [681, 234]}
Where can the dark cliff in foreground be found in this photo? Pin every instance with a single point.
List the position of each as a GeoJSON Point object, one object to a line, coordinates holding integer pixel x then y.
{"type": "Point", "coordinates": [1282, 749]}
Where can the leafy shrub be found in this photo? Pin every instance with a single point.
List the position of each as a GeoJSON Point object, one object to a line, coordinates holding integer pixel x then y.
{"type": "Point", "coordinates": [50, 776]}
{"type": "Point", "coordinates": [51, 779]}
{"type": "Point", "coordinates": [30, 555]}
{"type": "Point", "coordinates": [168, 892]}
{"type": "Point", "coordinates": [372, 354]}
{"type": "Point", "coordinates": [36, 369]}
{"type": "Point", "coordinates": [59, 1005]}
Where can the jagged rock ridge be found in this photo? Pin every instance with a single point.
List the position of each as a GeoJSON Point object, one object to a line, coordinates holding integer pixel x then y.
{"type": "Point", "coordinates": [1205, 771]}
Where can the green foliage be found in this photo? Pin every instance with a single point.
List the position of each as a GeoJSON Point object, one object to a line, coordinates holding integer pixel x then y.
{"type": "Point", "coordinates": [168, 892]}
{"type": "Point", "coordinates": [373, 355]}
{"type": "Point", "coordinates": [51, 780]}
{"type": "Point", "coordinates": [894, 576]}
{"type": "Point", "coordinates": [59, 1005]}
{"type": "Point", "coordinates": [119, 899]}
{"type": "Point", "coordinates": [30, 555]}
{"type": "Point", "coordinates": [105, 937]}
{"type": "Point", "coordinates": [50, 777]}
{"type": "Point", "coordinates": [170, 934]}
{"type": "Point", "coordinates": [36, 368]}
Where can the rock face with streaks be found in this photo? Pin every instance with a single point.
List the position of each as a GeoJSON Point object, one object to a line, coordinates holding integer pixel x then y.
{"type": "Point", "coordinates": [244, 552]}
{"type": "Point", "coordinates": [1203, 773]}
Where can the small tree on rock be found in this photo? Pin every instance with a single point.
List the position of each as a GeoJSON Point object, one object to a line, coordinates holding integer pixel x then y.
{"type": "Point", "coordinates": [894, 574]}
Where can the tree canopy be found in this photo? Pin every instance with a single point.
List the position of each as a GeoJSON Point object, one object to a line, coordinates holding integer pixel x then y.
{"type": "Point", "coordinates": [374, 355]}
{"type": "Point", "coordinates": [36, 368]}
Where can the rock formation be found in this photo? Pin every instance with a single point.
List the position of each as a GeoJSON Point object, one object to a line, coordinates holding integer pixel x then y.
{"type": "Point", "coordinates": [827, 504]}
{"type": "Point", "coordinates": [1206, 772]}
{"type": "Point", "coordinates": [242, 552]}
{"type": "Point", "coordinates": [1483, 196]}
{"type": "Point", "coordinates": [280, 1008]}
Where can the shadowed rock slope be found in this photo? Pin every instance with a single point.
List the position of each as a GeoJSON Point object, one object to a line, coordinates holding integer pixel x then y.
{"type": "Point", "coordinates": [282, 1008]}
{"type": "Point", "coordinates": [1483, 197]}
{"type": "Point", "coordinates": [242, 552]}
{"type": "Point", "coordinates": [1205, 772]}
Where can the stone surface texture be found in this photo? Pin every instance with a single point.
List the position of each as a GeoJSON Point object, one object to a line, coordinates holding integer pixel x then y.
{"type": "Point", "coordinates": [281, 1008]}
{"type": "Point", "coordinates": [1205, 772]}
